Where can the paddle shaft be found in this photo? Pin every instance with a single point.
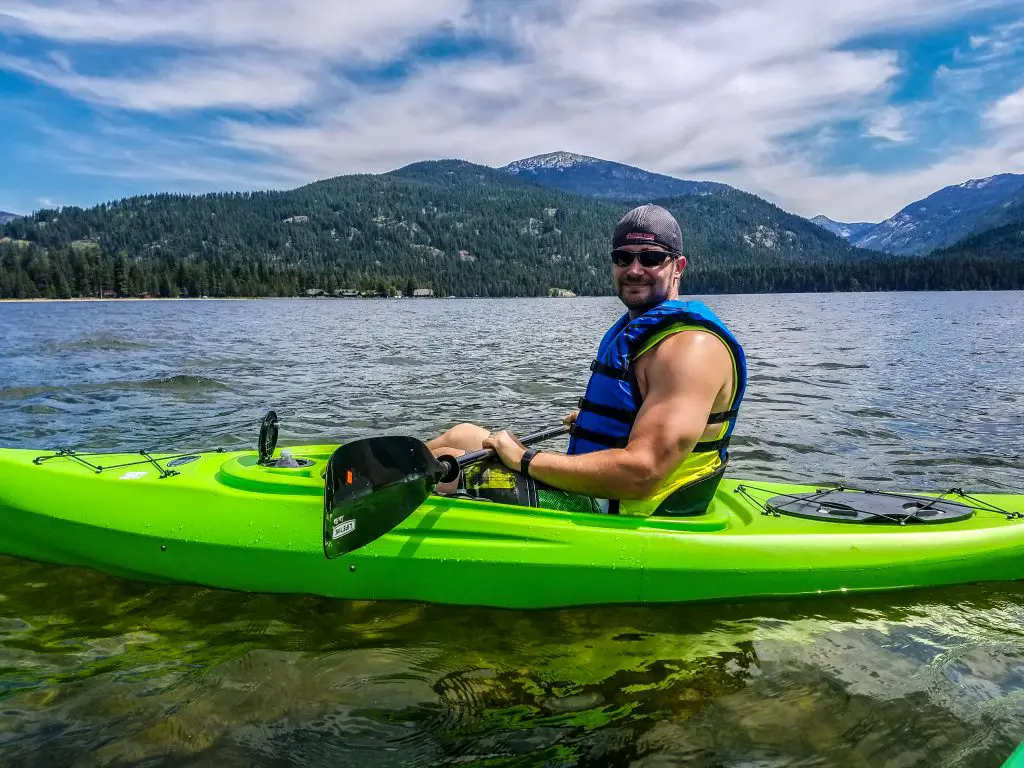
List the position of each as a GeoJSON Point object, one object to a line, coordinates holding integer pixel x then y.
{"type": "Point", "coordinates": [455, 464]}
{"type": "Point", "coordinates": [395, 475]}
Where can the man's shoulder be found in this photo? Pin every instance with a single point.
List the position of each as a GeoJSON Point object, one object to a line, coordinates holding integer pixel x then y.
{"type": "Point", "coordinates": [688, 344]}
{"type": "Point", "coordinates": [681, 354]}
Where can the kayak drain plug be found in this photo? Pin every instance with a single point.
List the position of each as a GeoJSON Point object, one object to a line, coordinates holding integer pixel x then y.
{"type": "Point", "coordinates": [351, 568]}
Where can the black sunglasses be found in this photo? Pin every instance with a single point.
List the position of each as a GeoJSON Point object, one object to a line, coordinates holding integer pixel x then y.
{"type": "Point", "coordinates": [648, 259]}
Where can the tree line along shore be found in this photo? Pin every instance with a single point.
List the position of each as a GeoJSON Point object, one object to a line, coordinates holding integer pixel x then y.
{"type": "Point", "coordinates": [451, 229]}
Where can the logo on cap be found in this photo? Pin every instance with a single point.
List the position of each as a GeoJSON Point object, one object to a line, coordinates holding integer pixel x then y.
{"type": "Point", "coordinates": [639, 236]}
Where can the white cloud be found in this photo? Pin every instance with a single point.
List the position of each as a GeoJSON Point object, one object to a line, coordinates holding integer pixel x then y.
{"type": "Point", "coordinates": [681, 92]}
{"type": "Point", "coordinates": [803, 188]}
{"type": "Point", "coordinates": [223, 82]}
{"type": "Point", "coordinates": [669, 87]}
{"type": "Point", "coordinates": [1008, 112]}
{"type": "Point", "coordinates": [887, 123]}
{"type": "Point", "coordinates": [375, 30]}
{"type": "Point", "coordinates": [1001, 41]}
{"type": "Point", "coordinates": [143, 155]}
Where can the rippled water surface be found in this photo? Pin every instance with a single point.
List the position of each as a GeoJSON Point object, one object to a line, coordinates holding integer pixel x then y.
{"type": "Point", "coordinates": [917, 391]}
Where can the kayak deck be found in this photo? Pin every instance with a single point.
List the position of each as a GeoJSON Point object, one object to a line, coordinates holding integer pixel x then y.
{"type": "Point", "coordinates": [223, 520]}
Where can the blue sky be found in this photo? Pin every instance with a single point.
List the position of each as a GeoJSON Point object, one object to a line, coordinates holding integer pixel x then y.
{"type": "Point", "coordinates": [849, 108]}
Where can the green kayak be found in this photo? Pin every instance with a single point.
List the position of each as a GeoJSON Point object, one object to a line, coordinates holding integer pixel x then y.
{"type": "Point", "coordinates": [228, 520]}
{"type": "Point", "coordinates": [1015, 760]}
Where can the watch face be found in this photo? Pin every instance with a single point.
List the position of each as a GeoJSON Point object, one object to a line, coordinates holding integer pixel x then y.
{"type": "Point", "coordinates": [524, 463]}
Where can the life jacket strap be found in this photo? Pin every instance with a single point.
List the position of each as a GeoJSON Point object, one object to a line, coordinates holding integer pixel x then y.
{"type": "Point", "coordinates": [723, 416]}
{"type": "Point", "coordinates": [597, 437]}
{"type": "Point", "coordinates": [711, 445]}
{"type": "Point", "coordinates": [618, 414]}
{"type": "Point", "coordinates": [600, 438]}
{"type": "Point", "coordinates": [627, 416]}
{"type": "Point", "coordinates": [610, 371]}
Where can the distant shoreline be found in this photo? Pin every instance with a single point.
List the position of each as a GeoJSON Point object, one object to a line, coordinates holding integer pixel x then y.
{"type": "Point", "coordinates": [134, 298]}
{"type": "Point", "coordinates": [686, 296]}
{"type": "Point", "coordinates": [283, 298]}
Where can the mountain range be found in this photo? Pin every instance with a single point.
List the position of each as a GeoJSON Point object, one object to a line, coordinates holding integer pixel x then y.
{"type": "Point", "coordinates": [941, 219]}
{"type": "Point", "coordinates": [592, 177]}
{"type": "Point", "coordinates": [455, 227]}
{"type": "Point", "coordinates": [5, 217]}
{"type": "Point", "coordinates": [935, 222]}
{"type": "Point", "coordinates": [472, 230]}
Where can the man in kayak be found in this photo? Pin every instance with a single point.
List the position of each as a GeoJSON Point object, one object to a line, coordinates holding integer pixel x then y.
{"type": "Point", "coordinates": [651, 434]}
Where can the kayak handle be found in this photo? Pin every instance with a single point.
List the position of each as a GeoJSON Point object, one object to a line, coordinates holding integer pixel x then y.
{"type": "Point", "coordinates": [454, 465]}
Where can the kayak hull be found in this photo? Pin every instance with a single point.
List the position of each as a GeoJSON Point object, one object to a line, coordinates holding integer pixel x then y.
{"type": "Point", "coordinates": [224, 521]}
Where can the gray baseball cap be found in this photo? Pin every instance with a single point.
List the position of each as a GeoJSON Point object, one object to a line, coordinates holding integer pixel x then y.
{"type": "Point", "coordinates": [649, 225]}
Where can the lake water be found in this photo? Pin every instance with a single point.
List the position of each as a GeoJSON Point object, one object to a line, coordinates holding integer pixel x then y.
{"type": "Point", "coordinates": [912, 391]}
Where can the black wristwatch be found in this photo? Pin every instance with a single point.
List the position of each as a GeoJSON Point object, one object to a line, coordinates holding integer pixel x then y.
{"type": "Point", "coordinates": [524, 463]}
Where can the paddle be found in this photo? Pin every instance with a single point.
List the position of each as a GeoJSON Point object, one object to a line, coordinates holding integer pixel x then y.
{"type": "Point", "coordinates": [374, 484]}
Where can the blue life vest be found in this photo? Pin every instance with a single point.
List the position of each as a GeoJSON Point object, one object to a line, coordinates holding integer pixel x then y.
{"type": "Point", "coordinates": [613, 399]}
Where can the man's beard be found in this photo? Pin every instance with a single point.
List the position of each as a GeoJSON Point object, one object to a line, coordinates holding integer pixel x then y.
{"type": "Point", "coordinates": [639, 304]}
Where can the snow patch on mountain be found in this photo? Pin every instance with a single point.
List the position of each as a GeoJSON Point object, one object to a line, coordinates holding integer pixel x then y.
{"type": "Point", "coordinates": [945, 216]}
{"type": "Point", "coordinates": [555, 160]}
{"type": "Point", "coordinates": [976, 183]}
{"type": "Point", "coordinates": [594, 177]}
{"type": "Point", "coordinates": [892, 233]}
{"type": "Point", "coordinates": [842, 229]}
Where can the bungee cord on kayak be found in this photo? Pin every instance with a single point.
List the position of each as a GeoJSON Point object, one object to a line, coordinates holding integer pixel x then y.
{"type": "Point", "coordinates": [844, 503]}
{"type": "Point", "coordinates": [80, 458]}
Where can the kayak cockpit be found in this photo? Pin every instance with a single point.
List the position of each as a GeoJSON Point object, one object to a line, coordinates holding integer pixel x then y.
{"type": "Point", "coordinates": [246, 472]}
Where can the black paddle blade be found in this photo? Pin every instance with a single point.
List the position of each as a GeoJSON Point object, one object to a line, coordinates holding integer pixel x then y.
{"type": "Point", "coordinates": [372, 485]}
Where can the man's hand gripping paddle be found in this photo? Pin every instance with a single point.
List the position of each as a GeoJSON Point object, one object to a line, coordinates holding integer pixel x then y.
{"type": "Point", "coordinates": [372, 485]}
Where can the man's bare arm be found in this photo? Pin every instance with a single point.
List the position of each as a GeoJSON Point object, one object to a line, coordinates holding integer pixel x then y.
{"type": "Point", "coordinates": [685, 373]}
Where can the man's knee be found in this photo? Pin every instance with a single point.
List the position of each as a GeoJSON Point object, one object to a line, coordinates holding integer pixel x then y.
{"type": "Point", "coordinates": [460, 439]}
{"type": "Point", "coordinates": [466, 437]}
{"type": "Point", "coordinates": [469, 435]}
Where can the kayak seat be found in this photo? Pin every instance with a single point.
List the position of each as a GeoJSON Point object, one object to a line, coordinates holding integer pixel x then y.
{"type": "Point", "coordinates": [493, 481]}
{"type": "Point", "coordinates": [693, 499]}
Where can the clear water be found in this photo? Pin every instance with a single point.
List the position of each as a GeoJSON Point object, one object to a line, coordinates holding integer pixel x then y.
{"type": "Point", "coordinates": [914, 391]}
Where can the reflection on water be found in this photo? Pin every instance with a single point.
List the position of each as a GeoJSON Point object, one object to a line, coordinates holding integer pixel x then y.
{"type": "Point", "coordinates": [913, 390]}
{"type": "Point", "coordinates": [128, 673]}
